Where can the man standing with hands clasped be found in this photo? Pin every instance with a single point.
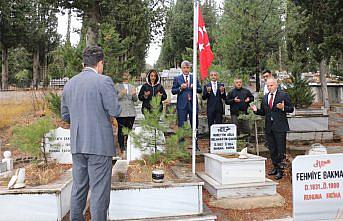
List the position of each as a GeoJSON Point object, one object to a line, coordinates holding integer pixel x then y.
{"type": "Point", "coordinates": [239, 99]}
{"type": "Point", "coordinates": [183, 87]}
{"type": "Point", "coordinates": [274, 107]}
{"type": "Point", "coordinates": [214, 93]}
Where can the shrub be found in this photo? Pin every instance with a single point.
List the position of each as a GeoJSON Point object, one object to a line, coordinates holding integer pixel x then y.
{"type": "Point", "coordinates": [29, 138]}
{"type": "Point", "coordinates": [298, 89]}
{"type": "Point", "coordinates": [54, 103]}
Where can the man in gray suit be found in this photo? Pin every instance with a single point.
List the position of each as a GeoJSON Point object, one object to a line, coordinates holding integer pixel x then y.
{"type": "Point", "coordinates": [90, 104]}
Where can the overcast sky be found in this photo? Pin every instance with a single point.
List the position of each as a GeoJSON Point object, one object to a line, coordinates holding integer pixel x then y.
{"type": "Point", "coordinates": [153, 52]}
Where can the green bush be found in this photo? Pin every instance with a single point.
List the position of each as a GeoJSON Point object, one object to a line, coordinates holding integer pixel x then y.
{"type": "Point", "coordinates": [54, 103]}
{"type": "Point", "coordinates": [298, 89]}
{"type": "Point", "coordinates": [28, 138]}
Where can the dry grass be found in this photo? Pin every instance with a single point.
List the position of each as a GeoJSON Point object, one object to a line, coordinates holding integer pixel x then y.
{"type": "Point", "coordinates": [41, 174]}
{"type": "Point", "coordinates": [142, 173]}
{"type": "Point", "coordinates": [12, 111]}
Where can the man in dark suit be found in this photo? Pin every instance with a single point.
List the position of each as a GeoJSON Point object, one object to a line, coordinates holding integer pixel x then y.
{"type": "Point", "coordinates": [214, 93]}
{"type": "Point", "coordinates": [274, 107]}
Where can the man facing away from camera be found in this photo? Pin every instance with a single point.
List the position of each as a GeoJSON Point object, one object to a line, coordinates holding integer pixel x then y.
{"type": "Point", "coordinates": [90, 104]}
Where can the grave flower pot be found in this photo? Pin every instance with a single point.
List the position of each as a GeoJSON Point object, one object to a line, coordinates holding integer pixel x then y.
{"type": "Point", "coordinates": [157, 175]}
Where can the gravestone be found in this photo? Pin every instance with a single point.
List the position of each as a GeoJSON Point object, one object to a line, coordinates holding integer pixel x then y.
{"type": "Point", "coordinates": [8, 160]}
{"type": "Point", "coordinates": [57, 145]}
{"type": "Point", "coordinates": [317, 149]}
{"type": "Point", "coordinates": [317, 182]}
{"type": "Point", "coordinates": [227, 110]}
{"type": "Point", "coordinates": [3, 167]}
{"type": "Point", "coordinates": [223, 138]}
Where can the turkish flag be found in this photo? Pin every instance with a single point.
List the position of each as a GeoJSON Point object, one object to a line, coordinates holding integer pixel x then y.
{"type": "Point", "coordinates": [205, 53]}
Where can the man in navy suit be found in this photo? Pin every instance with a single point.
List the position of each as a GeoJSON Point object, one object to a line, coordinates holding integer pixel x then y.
{"type": "Point", "coordinates": [214, 93]}
{"type": "Point", "coordinates": [274, 107]}
{"type": "Point", "coordinates": [183, 87]}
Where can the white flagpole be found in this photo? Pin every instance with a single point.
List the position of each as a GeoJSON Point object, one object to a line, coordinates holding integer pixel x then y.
{"type": "Point", "coordinates": [194, 108]}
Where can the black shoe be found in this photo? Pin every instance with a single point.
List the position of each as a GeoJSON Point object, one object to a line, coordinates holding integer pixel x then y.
{"type": "Point", "coordinates": [278, 175]}
{"type": "Point", "coordinates": [273, 172]}
{"type": "Point", "coordinates": [282, 165]}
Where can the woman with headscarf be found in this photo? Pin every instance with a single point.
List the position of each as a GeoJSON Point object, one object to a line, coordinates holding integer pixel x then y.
{"type": "Point", "coordinates": [150, 89]}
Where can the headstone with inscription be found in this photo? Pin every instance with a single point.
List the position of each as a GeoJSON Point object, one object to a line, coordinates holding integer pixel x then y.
{"type": "Point", "coordinates": [223, 138]}
{"type": "Point", "coordinates": [57, 144]}
{"type": "Point", "coordinates": [318, 187]}
{"type": "Point", "coordinates": [317, 149]}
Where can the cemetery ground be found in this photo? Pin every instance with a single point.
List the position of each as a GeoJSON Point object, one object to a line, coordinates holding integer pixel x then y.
{"type": "Point", "coordinates": [20, 110]}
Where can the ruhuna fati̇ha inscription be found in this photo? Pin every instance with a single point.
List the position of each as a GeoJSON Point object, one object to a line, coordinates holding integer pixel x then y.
{"type": "Point", "coordinates": [57, 144]}
{"type": "Point", "coordinates": [317, 187]}
{"type": "Point", "coordinates": [223, 138]}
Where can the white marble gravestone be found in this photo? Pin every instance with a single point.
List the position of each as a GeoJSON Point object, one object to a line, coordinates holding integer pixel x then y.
{"type": "Point", "coordinates": [223, 138]}
{"type": "Point", "coordinates": [134, 152]}
{"type": "Point", "coordinates": [234, 170]}
{"type": "Point", "coordinates": [57, 144]}
{"type": "Point", "coordinates": [317, 149]}
{"type": "Point", "coordinates": [317, 182]}
{"type": "Point", "coordinates": [3, 167]}
{"type": "Point", "coordinates": [8, 160]}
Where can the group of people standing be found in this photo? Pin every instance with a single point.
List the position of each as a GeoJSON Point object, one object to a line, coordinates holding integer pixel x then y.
{"type": "Point", "coordinates": [275, 105]}
{"type": "Point", "coordinates": [127, 96]}
{"type": "Point", "coordinates": [92, 104]}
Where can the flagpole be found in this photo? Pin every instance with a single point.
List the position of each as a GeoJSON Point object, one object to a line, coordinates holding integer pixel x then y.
{"type": "Point", "coordinates": [194, 108]}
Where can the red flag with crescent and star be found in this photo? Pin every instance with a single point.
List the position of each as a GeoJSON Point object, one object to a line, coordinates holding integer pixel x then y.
{"type": "Point", "coordinates": [205, 53]}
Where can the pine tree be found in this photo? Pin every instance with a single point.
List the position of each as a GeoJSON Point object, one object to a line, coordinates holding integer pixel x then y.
{"type": "Point", "coordinates": [150, 136]}
{"type": "Point", "coordinates": [301, 94]}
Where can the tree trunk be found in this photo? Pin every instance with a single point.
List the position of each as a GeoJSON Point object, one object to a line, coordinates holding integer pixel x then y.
{"type": "Point", "coordinates": [324, 86]}
{"type": "Point", "coordinates": [68, 28]}
{"type": "Point", "coordinates": [93, 21]}
{"type": "Point", "coordinates": [36, 68]}
{"type": "Point", "coordinates": [257, 66]}
{"type": "Point", "coordinates": [4, 63]}
{"type": "Point", "coordinates": [44, 70]}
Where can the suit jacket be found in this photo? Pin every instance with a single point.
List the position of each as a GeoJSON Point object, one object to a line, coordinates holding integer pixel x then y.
{"type": "Point", "coordinates": [242, 94]}
{"type": "Point", "coordinates": [214, 101]}
{"type": "Point", "coordinates": [126, 101]}
{"type": "Point", "coordinates": [182, 95]}
{"type": "Point", "coordinates": [88, 101]}
{"type": "Point", "coordinates": [276, 119]}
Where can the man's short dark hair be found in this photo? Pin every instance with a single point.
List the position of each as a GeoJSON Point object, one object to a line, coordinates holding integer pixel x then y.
{"type": "Point", "coordinates": [92, 55]}
{"type": "Point", "coordinates": [266, 71]}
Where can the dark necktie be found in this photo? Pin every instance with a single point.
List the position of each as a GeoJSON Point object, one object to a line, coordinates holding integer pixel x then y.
{"type": "Point", "coordinates": [188, 95]}
{"type": "Point", "coordinates": [271, 101]}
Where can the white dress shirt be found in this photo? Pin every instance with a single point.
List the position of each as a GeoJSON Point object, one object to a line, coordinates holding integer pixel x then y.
{"type": "Point", "coordinates": [214, 87]}
{"type": "Point", "coordinates": [126, 86]}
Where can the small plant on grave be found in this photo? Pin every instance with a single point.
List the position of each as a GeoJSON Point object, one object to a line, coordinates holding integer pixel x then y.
{"type": "Point", "coordinates": [54, 103]}
{"type": "Point", "coordinates": [154, 125]}
{"type": "Point", "coordinates": [29, 138]}
{"type": "Point", "coordinates": [252, 119]}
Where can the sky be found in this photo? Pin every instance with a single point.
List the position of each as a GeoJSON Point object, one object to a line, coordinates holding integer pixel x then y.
{"type": "Point", "coordinates": [153, 52]}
